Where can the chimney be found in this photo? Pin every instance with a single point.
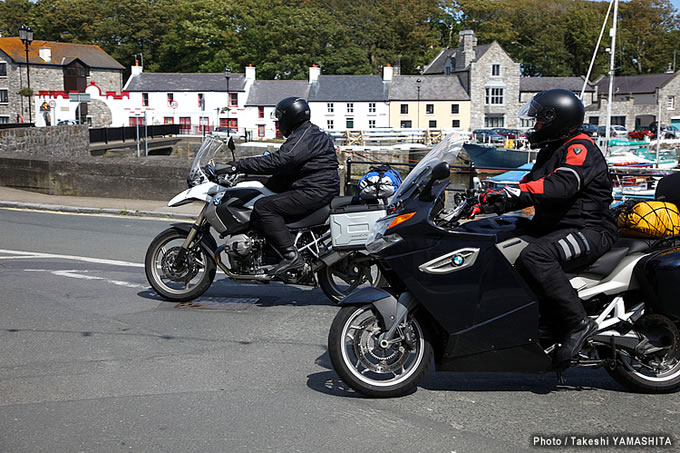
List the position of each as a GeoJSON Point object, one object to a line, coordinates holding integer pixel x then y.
{"type": "Point", "coordinates": [314, 73]}
{"type": "Point", "coordinates": [466, 49]}
{"type": "Point", "coordinates": [388, 72]}
{"type": "Point", "coordinates": [250, 73]}
{"type": "Point", "coordinates": [670, 68]}
{"type": "Point", "coordinates": [136, 69]}
{"type": "Point", "coordinates": [46, 53]}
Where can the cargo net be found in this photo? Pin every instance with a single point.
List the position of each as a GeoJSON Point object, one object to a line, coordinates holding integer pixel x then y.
{"type": "Point", "coordinates": [648, 219]}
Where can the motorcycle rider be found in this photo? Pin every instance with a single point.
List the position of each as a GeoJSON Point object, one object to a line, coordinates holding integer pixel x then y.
{"type": "Point", "coordinates": [305, 177]}
{"type": "Point", "coordinates": [571, 190]}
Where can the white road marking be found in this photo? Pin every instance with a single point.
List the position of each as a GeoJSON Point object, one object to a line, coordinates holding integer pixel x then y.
{"type": "Point", "coordinates": [25, 255]}
{"type": "Point", "coordinates": [79, 274]}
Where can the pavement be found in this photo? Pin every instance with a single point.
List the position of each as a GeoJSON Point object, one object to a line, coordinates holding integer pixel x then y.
{"type": "Point", "coordinates": [23, 199]}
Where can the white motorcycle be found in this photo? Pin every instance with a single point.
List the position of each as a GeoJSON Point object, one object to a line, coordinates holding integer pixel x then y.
{"type": "Point", "coordinates": [181, 261]}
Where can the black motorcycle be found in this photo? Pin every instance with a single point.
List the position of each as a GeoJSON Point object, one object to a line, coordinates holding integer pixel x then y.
{"type": "Point", "coordinates": [454, 296]}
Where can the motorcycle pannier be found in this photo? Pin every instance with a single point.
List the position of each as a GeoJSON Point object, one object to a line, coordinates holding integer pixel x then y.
{"type": "Point", "coordinates": [351, 224]}
{"type": "Point", "coordinates": [649, 219]}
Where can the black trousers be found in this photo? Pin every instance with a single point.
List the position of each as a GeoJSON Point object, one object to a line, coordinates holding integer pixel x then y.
{"type": "Point", "coordinates": [544, 265]}
{"type": "Point", "coordinates": [270, 214]}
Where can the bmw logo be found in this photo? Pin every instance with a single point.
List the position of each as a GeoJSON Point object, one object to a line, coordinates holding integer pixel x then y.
{"type": "Point", "coordinates": [216, 201]}
{"type": "Point", "coordinates": [458, 260]}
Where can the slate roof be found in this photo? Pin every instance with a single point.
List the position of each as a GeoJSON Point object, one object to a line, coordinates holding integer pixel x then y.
{"type": "Point", "coordinates": [637, 84]}
{"type": "Point", "coordinates": [357, 88]}
{"type": "Point", "coordinates": [61, 53]}
{"type": "Point", "coordinates": [270, 92]}
{"type": "Point", "coordinates": [438, 63]}
{"type": "Point", "coordinates": [432, 88]}
{"type": "Point", "coordinates": [160, 81]}
{"type": "Point", "coordinates": [536, 84]}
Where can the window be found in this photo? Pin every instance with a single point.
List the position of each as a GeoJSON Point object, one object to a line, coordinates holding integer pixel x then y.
{"type": "Point", "coordinates": [594, 120]}
{"type": "Point", "coordinates": [3, 96]}
{"type": "Point", "coordinates": [429, 109]}
{"type": "Point", "coordinates": [136, 120]}
{"type": "Point", "coordinates": [233, 99]}
{"type": "Point", "coordinates": [404, 109]}
{"type": "Point", "coordinates": [260, 130]}
{"type": "Point", "coordinates": [350, 123]}
{"type": "Point", "coordinates": [201, 101]}
{"type": "Point", "coordinates": [455, 109]}
{"type": "Point", "coordinates": [432, 124]}
{"type": "Point", "coordinates": [455, 123]}
{"type": "Point", "coordinates": [371, 107]}
{"type": "Point", "coordinates": [145, 99]}
{"type": "Point", "coordinates": [4, 119]}
{"type": "Point", "coordinates": [406, 124]}
{"type": "Point", "coordinates": [670, 105]}
{"type": "Point", "coordinates": [171, 98]}
{"type": "Point", "coordinates": [494, 96]}
{"type": "Point", "coordinates": [494, 121]}
{"type": "Point", "coordinates": [371, 124]}
{"type": "Point", "coordinates": [496, 69]}
{"type": "Point", "coordinates": [619, 120]}
{"type": "Point", "coordinates": [168, 120]}
{"type": "Point", "coordinates": [329, 124]}
{"type": "Point", "coordinates": [350, 107]}
{"type": "Point", "coordinates": [184, 124]}
{"type": "Point", "coordinates": [330, 108]}
{"type": "Point", "coordinates": [260, 112]}
{"type": "Point", "coordinates": [527, 122]}
{"type": "Point", "coordinates": [229, 122]}
{"type": "Point", "coordinates": [3, 71]}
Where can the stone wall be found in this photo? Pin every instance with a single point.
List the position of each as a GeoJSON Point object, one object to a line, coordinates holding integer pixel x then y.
{"type": "Point", "coordinates": [672, 88]}
{"type": "Point", "coordinates": [16, 78]}
{"type": "Point", "coordinates": [150, 178]}
{"type": "Point", "coordinates": [63, 141]}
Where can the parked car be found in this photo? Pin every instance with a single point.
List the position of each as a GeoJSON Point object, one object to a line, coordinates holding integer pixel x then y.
{"type": "Point", "coordinates": [487, 136]}
{"type": "Point", "coordinates": [670, 132]}
{"type": "Point", "coordinates": [588, 129]}
{"type": "Point", "coordinates": [66, 122]}
{"type": "Point", "coordinates": [225, 132]}
{"type": "Point", "coordinates": [640, 133]}
{"type": "Point", "coordinates": [614, 131]}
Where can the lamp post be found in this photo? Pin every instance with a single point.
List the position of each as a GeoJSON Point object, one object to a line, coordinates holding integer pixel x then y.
{"type": "Point", "coordinates": [418, 82]}
{"type": "Point", "coordinates": [227, 74]}
{"type": "Point", "coordinates": [26, 36]}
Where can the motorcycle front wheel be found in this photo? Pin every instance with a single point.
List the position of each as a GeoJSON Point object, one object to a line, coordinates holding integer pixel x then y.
{"type": "Point", "coordinates": [352, 272]}
{"type": "Point", "coordinates": [177, 276]}
{"type": "Point", "coordinates": [367, 367]}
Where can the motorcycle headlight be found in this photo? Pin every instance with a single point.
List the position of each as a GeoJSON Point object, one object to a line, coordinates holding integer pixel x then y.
{"type": "Point", "coordinates": [377, 240]}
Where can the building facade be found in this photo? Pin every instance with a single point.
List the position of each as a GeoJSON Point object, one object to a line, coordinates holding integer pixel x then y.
{"type": "Point", "coordinates": [54, 67]}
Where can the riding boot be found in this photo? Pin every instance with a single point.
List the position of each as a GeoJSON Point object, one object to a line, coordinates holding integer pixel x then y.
{"type": "Point", "coordinates": [291, 260]}
{"type": "Point", "coordinates": [575, 339]}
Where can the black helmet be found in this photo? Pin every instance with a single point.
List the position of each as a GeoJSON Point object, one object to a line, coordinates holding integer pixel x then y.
{"type": "Point", "coordinates": [558, 114]}
{"type": "Point", "coordinates": [290, 113]}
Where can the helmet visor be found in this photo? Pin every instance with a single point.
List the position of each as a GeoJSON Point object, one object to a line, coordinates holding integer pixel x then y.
{"type": "Point", "coordinates": [530, 110]}
{"type": "Point", "coordinates": [276, 115]}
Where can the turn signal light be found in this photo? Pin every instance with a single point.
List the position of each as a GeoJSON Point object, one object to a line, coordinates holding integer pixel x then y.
{"type": "Point", "coordinates": [401, 219]}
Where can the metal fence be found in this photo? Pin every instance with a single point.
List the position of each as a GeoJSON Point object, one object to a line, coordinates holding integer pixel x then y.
{"type": "Point", "coordinates": [107, 134]}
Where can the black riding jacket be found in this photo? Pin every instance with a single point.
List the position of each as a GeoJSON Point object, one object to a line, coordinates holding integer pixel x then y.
{"type": "Point", "coordinates": [570, 187]}
{"type": "Point", "coordinates": [307, 160]}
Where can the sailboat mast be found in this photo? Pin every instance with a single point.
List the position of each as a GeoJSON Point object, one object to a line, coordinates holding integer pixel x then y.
{"type": "Point", "coordinates": [612, 51]}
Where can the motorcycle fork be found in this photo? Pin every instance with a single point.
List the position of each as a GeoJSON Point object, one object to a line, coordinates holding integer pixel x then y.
{"type": "Point", "coordinates": [195, 228]}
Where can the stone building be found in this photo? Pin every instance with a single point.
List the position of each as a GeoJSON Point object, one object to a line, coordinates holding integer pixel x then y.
{"type": "Point", "coordinates": [56, 69]}
{"type": "Point", "coordinates": [635, 102]}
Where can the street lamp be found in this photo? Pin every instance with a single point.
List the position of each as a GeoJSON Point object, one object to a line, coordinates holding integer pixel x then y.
{"type": "Point", "coordinates": [418, 82]}
{"type": "Point", "coordinates": [227, 74]}
{"type": "Point", "coordinates": [26, 36]}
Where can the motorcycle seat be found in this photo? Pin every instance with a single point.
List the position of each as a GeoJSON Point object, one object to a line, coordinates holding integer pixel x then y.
{"type": "Point", "coordinates": [317, 217]}
{"type": "Point", "coordinates": [622, 247]}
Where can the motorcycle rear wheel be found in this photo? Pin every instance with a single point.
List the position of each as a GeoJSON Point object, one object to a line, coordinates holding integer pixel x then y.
{"type": "Point", "coordinates": [348, 274]}
{"type": "Point", "coordinates": [370, 369]}
{"type": "Point", "coordinates": [654, 373]}
{"type": "Point", "coordinates": [173, 280]}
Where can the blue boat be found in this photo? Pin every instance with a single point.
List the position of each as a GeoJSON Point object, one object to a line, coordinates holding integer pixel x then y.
{"type": "Point", "coordinates": [488, 156]}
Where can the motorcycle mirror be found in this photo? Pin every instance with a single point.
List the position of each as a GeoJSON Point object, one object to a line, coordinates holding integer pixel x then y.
{"type": "Point", "coordinates": [441, 171]}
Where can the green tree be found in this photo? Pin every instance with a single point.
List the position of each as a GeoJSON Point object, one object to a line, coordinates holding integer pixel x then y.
{"type": "Point", "coordinates": [14, 13]}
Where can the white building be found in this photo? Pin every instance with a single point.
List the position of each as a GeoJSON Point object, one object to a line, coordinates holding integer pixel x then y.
{"type": "Point", "coordinates": [349, 102]}
{"type": "Point", "coordinates": [262, 99]}
{"type": "Point", "coordinates": [198, 102]}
